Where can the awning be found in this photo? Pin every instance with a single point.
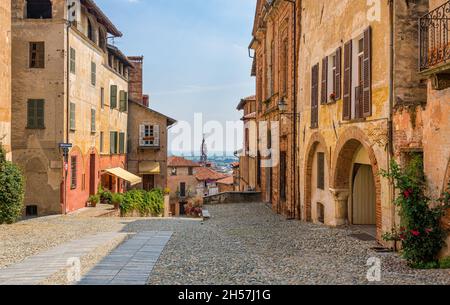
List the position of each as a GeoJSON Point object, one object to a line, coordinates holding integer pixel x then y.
{"type": "Point", "coordinates": [125, 175]}
{"type": "Point", "coordinates": [149, 168]}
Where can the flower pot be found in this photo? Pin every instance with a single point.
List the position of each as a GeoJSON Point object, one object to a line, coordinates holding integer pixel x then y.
{"type": "Point", "coordinates": [116, 205]}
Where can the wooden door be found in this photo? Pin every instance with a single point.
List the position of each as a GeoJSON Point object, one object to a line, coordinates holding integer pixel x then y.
{"type": "Point", "coordinates": [148, 182]}
{"type": "Point", "coordinates": [92, 175]}
{"type": "Point", "coordinates": [182, 189]}
{"type": "Point", "coordinates": [364, 197]}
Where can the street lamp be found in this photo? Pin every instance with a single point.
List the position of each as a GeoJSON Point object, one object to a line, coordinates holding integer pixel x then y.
{"type": "Point", "coordinates": [282, 107]}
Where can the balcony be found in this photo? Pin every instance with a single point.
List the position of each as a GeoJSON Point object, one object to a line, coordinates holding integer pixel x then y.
{"type": "Point", "coordinates": [434, 40]}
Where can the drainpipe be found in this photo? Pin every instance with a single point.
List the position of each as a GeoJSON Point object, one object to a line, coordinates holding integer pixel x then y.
{"type": "Point", "coordinates": [390, 154]}
{"type": "Point", "coordinates": [66, 157]}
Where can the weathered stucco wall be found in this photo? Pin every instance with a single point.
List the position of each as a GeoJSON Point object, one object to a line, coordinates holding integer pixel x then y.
{"type": "Point", "coordinates": [36, 150]}
{"type": "Point", "coordinates": [5, 76]}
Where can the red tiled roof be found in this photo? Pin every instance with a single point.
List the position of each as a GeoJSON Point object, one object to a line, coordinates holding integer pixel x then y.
{"type": "Point", "coordinates": [235, 164]}
{"type": "Point", "coordinates": [205, 173]}
{"type": "Point", "coordinates": [228, 180]}
{"type": "Point", "coordinates": [245, 100]}
{"type": "Point", "coordinates": [181, 162]}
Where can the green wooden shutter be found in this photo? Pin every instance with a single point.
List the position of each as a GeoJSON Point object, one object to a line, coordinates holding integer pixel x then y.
{"type": "Point", "coordinates": [125, 104]}
{"type": "Point", "coordinates": [113, 97]}
{"type": "Point", "coordinates": [101, 141]}
{"type": "Point", "coordinates": [122, 143]}
{"type": "Point", "coordinates": [31, 114]}
{"type": "Point", "coordinates": [93, 112]}
{"type": "Point", "coordinates": [93, 73]}
{"type": "Point", "coordinates": [72, 60]}
{"type": "Point", "coordinates": [72, 116]}
{"type": "Point", "coordinates": [40, 114]}
{"type": "Point", "coordinates": [121, 98]}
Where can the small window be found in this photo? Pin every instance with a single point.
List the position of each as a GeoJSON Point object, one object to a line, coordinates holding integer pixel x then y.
{"type": "Point", "coordinates": [72, 60]}
{"type": "Point", "coordinates": [149, 135]}
{"type": "Point", "coordinates": [39, 9]}
{"type": "Point", "coordinates": [31, 211]}
{"type": "Point", "coordinates": [93, 127]}
{"type": "Point", "coordinates": [102, 39]}
{"type": "Point", "coordinates": [102, 97]}
{"type": "Point", "coordinates": [321, 171]}
{"type": "Point", "coordinates": [173, 172]}
{"type": "Point", "coordinates": [93, 73]}
{"type": "Point", "coordinates": [114, 142]}
{"type": "Point", "coordinates": [91, 31]}
{"type": "Point", "coordinates": [113, 97]}
{"type": "Point", "coordinates": [122, 143]}
{"type": "Point", "coordinates": [320, 213]}
{"type": "Point", "coordinates": [73, 172]}
{"type": "Point", "coordinates": [72, 117]}
{"type": "Point", "coordinates": [190, 171]}
{"type": "Point", "coordinates": [37, 55]}
{"type": "Point", "coordinates": [35, 114]}
{"type": "Point", "coordinates": [123, 101]}
{"type": "Point", "coordinates": [101, 141]}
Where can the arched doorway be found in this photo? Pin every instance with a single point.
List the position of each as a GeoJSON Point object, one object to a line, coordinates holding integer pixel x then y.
{"type": "Point", "coordinates": [355, 184]}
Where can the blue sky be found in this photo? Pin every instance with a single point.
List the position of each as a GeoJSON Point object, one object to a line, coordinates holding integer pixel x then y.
{"type": "Point", "coordinates": [196, 57]}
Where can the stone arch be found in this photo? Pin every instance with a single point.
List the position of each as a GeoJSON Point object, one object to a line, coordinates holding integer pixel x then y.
{"type": "Point", "coordinates": [315, 140]}
{"type": "Point", "coordinates": [347, 146]}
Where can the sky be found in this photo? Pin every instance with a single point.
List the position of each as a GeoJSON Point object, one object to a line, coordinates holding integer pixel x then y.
{"type": "Point", "coordinates": [195, 61]}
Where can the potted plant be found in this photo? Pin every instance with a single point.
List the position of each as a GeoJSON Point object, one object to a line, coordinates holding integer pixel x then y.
{"type": "Point", "coordinates": [106, 197]}
{"type": "Point", "coordinates": [117, 200]}
{"type": "Point", "coordinates": [332, 97]}
{"type": "Point", "coordinates": [93, 200]}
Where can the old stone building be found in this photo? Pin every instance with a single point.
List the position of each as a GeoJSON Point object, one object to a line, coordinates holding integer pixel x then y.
{"type": "Point", "coordinates": [350, 82]}
{"type": "Point", "coordinates": [181, 177]}
{"type": "Point", "coordinates": [5, 76]}
{"type": "Point", "coordinates": [274, 70]}
{"type": "Point", "coordinates": [423, 125]}
{"type": "Point", "coordinates": [147, 135]}
{"type": "Point", "coordinates": [69, 86]}
{"type": "Point", "coordinates": [248, 178]}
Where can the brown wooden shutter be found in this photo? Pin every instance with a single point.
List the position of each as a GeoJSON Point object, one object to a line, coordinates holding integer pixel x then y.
{"type": "Point", "coordinates": [315, 96]}
{"type": "Point", "coordinates": [347, 113]}
{"type": "Point", "coordinates": [338, 73]}
{"type": "Point", "coordinates": [324, 97]}
{"type": "Point", "coordinates": [321, 171]}
{"type": "Point", "coordinates": [367, 79]}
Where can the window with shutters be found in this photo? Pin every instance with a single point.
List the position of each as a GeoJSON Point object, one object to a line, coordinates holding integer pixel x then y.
{"type": "Point", "coordinates": [37, 55]}
{"type": "Point", "coordinates": [73, 172]}
{"type": "Point", "coordinates": [357, 77]}
{"type": "Point", "coordinates": [331, 78]}
{"type": "Point", "coordinates": [283, 175]}
{"type": "Point", "coordinates": [123, 101]}
{"type": "Point", "coordinates": [39, 9]}
{"type": "Point", "coordinates": [285, 67]}
{"type": "Point", "coordinates": [102, 98]}
{"type": "Point", "coordinates": [72, 119]}
{"type": "Point", "coordinates": [113, 97]}
{"type": "Point", "coordinates": [321, 170]}
{"type": "Point", "coordinates": [113, 142]}
{"type": "Point", "coordinates": [122, 143]}
{"type": "Point", "coordinates": [72, 60]}
{"type": "Point", "coordinates": [35, 114]}
{"type": "Point", "coordinates": [315, 97]}
{"type": "Point", "coordinates": [101, 141]}
{"type": "Point", "coordinates": [93, 73]}
{"type": "Point", "coordinates": [149, 135]}
{"type": "Point", "coordinates": [93, 125]}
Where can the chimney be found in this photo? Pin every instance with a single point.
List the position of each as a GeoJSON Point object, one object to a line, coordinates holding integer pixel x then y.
{"type": "Point", "coordinates": [135, 81]}
{"type": "Point", "coordinates": [146, 100]}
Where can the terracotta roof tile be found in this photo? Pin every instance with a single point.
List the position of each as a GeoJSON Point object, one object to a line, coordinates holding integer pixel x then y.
{"type": "Point", "coordinates": [204, 173]}
{"type": "Point", "coordinates": [228, 180]}
{"type": "Point", "coordinates": [181, 162]}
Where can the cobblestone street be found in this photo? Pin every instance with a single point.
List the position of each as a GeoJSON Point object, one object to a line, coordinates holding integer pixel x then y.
{"type": "Point", "coordinates": [248, 244]}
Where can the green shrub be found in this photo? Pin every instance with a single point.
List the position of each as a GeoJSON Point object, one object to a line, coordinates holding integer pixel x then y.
{"type": "Point", "coordinates": [117, 198]}
{"type": "Point", "coordinates": [94, 199]}
{"type": "Point", "coordinates": [12, 191]}
{"type": "Point", "coordinates": [146, 203]}
{"type": "Point", "coordinates": [421, 233]}
{"type": "Point", "coordinates": [104, 195]}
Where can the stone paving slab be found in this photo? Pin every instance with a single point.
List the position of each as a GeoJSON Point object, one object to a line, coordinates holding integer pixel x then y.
{"type": "Point", "coordinates": [131, 263]}
{"type": "Point", "coordinates": [35, 269]}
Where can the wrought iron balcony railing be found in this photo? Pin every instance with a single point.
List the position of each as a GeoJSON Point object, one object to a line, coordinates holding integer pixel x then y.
{"type": "Point", "coordinates": [434, 36]}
